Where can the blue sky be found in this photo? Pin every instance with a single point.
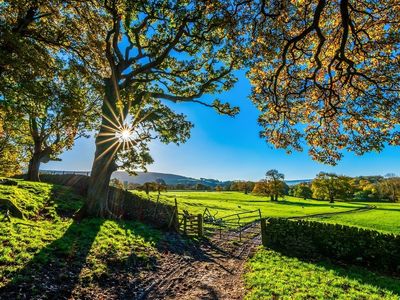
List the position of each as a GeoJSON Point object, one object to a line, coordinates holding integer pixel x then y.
{"type": "Point", "coordinates": [230, 148]}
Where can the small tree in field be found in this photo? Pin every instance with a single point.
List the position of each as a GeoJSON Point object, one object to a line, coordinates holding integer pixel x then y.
{"type": "Point", "coordinates": [263, 188]}
{"type": "Point", "coordinates": [330, 186]}
{"type": "Point", "coordinates": [218, 188]}
{"type": "Point", "coordinates": [276, 182]}
{"type": "Point", "coordinates": [116, 183]}
{"type": "Point", "coordinates": [302, 191]}
{"type": "Point", "coordinates": [160, 185]}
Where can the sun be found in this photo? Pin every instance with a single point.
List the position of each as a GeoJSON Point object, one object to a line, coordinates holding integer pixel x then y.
{"type": "Point", "coordinates": [124, 135]}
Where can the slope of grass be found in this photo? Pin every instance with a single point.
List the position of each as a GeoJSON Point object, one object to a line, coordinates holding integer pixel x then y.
{"type": "Point", "coordinates": [39, 201]}
{"type": "Point", "coordinates": [274, 276]}
{"type": "Point", "coordinates": [385, 217]}
{"type": "Point", "coordinates": [48, 248]}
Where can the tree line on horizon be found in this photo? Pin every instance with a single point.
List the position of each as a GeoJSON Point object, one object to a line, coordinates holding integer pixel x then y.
{"type": "Point", "coordinates": [324, 75]}
{"type": "Point", "coordinates": [325, 186]}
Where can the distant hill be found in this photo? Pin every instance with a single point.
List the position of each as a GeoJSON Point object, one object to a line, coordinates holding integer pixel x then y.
{"type": "Point", "coordinates": [170, 179]}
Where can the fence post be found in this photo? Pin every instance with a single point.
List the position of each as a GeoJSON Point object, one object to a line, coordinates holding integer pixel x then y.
{"type": "Point", "coordinates": [176, 217]}
{"type": "Point", "coordinates": [200, 230]}
{"type": "Point", "coordinates": [184, 225]}
{"type": "Point", "coordinates": [263, 232]}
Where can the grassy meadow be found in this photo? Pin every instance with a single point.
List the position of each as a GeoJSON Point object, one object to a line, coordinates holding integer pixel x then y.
{"type": "Point", "coordinates": [385, 217]}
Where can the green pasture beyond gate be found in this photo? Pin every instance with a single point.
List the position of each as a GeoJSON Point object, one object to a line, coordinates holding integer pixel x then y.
{"type": "Point", "coordinates": [384, 217]}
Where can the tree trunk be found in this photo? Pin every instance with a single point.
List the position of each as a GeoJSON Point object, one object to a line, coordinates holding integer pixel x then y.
{"type": "Point", "coordinates": [104, 165]}
{"type": "Point", "coordinates": [33, 169]}
{"type": "Point", "coordinates": [272, 197]}
{"type": "Point", "coordinates": [332, 200]}
{"type": "Point", "coordinates": [276, 197]}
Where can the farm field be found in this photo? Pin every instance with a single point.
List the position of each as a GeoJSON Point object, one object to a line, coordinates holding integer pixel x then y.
{"type": "Point", "coordinates": [385, 217]}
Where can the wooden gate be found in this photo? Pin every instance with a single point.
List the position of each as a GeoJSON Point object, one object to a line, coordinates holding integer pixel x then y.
{"type": "Point", "coordinates": [244, 226]}
{"type": "Point", "coordinates": [191, 224]}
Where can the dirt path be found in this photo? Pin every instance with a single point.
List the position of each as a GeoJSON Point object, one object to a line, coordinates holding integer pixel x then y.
{"type": "Point", "coordinates": [211, 271]}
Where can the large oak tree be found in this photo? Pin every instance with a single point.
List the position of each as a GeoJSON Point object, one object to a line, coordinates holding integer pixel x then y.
{"type": "Point", "coordinates": [158, 52]}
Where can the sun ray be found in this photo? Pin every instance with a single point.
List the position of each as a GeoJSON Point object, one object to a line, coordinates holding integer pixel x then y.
{"type": "Point", "coordinates": [108, 149]}
{"type": "Point", "coordinates": [111, 122]}
{"type": "Point", "coordinates": [111, 157]}
{"type": "Point", "coordinates": [107, 134]}
{"type": "Point", "coordinates": [111, 128]}
{"type": "Point", "coordinates": [106, 140]}
{"type": "Point", "coordinates": [117, 119]}
{"type": "Point", "coordinates": [131, 143]}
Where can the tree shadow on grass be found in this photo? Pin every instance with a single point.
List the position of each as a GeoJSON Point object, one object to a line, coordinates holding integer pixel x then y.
{"type": "Point", "coordinates": [54, 271]}
{"type": "Point", "coordinates": [72, 265]}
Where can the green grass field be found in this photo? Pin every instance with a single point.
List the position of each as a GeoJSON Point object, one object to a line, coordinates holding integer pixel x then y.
{"type": "Point", "coordinates": [275, 276]}
{"type": "Point", "coordinates": [385, 217]}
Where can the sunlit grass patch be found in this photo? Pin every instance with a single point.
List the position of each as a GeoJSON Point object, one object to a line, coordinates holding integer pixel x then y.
{"type": "Point", "coordinates": [272, 276]}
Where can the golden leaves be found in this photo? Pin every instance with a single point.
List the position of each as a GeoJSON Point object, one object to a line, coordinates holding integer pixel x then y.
{"type": "Point", "coordinates": [333, 68]}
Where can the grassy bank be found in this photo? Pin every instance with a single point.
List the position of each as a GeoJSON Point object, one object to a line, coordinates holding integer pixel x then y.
{"type": "Point", "coordinates": [48, 252]}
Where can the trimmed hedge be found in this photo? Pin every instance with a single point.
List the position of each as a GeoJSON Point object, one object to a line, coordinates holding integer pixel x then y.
{"type": "Point", "coordinates": [352, 245]}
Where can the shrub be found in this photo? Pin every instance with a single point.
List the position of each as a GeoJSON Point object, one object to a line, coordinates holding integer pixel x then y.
{"type": "Point", "coordinates": [353, 245]}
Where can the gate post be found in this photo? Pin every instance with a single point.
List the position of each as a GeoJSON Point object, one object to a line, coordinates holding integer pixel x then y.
{"type": "Point", "coordinates": [263, 232]}
{"type": "Point", "coordinates": [200, 230]}
{"type": "Point", "coordinates": [184, 225]}
{"type": "Point", "coordinates": [176, 217]}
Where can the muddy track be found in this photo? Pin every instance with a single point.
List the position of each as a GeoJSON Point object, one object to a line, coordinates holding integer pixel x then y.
{"type": "Point", "coordinates": [213, 270]}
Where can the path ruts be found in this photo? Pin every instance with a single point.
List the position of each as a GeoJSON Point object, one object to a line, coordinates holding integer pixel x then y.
{"type": "Point", "coordinates": [212, 271]}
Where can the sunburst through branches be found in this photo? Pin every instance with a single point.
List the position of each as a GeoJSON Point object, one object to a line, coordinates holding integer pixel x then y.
{"type": "Point", "coordinates": [120, 135]}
